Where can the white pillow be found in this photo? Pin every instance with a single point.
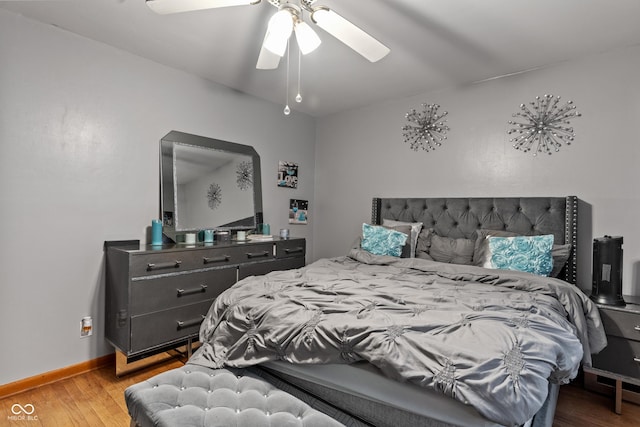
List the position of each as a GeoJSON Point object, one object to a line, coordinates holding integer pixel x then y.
{"type": "Point", "coordinates": [416, 227]}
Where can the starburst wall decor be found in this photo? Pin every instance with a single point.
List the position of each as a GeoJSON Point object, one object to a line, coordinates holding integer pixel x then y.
{"type": "Point", "coordinates": [214, 194]}
{"type": "Point", "coordinates": [244, 175]}
{"type": "Point", "coordinates": [545, 125]}
{"type": "Point", "coordinates": [427, 129]}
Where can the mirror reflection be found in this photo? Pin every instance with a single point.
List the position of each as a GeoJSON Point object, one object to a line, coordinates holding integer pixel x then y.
{"type": "Point", "coordinates": [208, 184]}
{"type": "Point", "coordinates": [211, 185]}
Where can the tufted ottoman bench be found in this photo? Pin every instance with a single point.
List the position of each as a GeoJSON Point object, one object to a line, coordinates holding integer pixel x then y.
{"type": "Point", "coordinates": [197, 396]}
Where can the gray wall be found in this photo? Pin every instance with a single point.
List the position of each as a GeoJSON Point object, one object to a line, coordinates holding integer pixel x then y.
{"type": "Point", "coordinates": [361, 154]}
{"type": "Point", "coordinates": [80, 124]}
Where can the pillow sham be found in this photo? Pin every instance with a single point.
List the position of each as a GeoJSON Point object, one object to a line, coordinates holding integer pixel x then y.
{"type": "Point", "coordinates": [416, 227]}
{"type": "Point", "coordinates": [382, 241]}
{"type": "Point", "coordinates": [531, 254]}
{"type": "Point", "coordinates": [560, 253]}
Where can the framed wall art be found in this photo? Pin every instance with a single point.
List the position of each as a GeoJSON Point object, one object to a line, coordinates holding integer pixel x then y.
{"type": "Point", "coordinates": [298, 211]}
{"type": "Point", "coordinates": [287, 174]}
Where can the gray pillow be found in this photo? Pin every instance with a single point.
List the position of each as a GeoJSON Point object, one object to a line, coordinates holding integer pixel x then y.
{"type": "Point", "coordinates": [423, 244]}
{"type": "Point", "coordinates": [444, 249]}
{"type": "Point", "coordinates": [452, 251]}
{"type": "Point", "coordinates": [560, 254]}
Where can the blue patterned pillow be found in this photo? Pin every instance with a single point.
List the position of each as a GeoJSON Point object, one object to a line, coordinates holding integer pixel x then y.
{"type": "Point", "coordinates": [382, 241]}
{"type": "Point", "coordinates": [531, 254]}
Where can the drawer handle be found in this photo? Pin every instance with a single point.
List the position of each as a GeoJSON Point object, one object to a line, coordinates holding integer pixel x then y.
{"type": "Point", "coordinates": [161, 265]}
{"type": "Point", "coordinates": [257, 254]}
{"type": "Point", "coordinates": [188, 323]}
{"type": "Point", "coordinates": [223, 258]}
{"type": "Point", "coordinates": [636, 328]}
{"type": "Point", "coordinates": [293, 250]}
{"type": "Point", "coordinates": [636, 359]}
{"type": "Point", "coordinates": [182, 292]}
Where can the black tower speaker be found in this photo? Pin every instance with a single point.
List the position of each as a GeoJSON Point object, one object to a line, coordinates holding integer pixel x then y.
{"type": "Point", "coordinates": [607, 271]}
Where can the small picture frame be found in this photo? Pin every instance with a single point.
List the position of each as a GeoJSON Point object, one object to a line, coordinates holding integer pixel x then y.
{"type": "Point", "coordinates": [298, 211]}
{"type": "Point", "coordinates": [287, 174]}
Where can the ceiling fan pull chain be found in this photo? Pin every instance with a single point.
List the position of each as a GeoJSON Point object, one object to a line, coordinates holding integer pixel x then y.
{"type": "Point", "coordinates": [287, 110]}
{"type": "Point", "coordinates": [299, 96]}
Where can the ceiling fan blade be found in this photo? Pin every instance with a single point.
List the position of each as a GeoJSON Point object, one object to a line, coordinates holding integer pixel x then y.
{"type": "Point", "coordinates": [267, 60]}
{"type": "Point", "coordinates": [164, 7]}
{"type": "Point", "coordinates": [349, 34]}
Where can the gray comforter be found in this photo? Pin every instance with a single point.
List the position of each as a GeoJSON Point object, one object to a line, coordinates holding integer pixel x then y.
{"type": "Point", "coordinates": [488, 338]}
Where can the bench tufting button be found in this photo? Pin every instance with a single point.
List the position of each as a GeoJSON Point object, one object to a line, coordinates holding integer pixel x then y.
{"type": "Point", "coordinates": [182, 388]}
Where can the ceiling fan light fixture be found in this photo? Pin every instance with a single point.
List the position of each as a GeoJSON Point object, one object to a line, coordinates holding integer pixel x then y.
{"type": "Point", "coordinates": [278, 32]}
{"type": "Point", "coordinates": [163, 7]}
{"type": "Point", "coordinates": [307, 39]}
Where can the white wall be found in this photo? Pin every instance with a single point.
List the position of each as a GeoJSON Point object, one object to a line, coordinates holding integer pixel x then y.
{"type": "Point", "coordinates": [80, 124]}
{"type": "Point", "coordinates": [361, 154]}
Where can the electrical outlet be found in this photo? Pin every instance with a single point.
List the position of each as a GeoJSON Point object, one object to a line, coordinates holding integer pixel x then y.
{"type": "Point", "coordinates": [86, 327]}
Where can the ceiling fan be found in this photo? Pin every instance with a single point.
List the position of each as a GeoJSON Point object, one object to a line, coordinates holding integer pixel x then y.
{"type": "Point", "coordinates": [288, 20]}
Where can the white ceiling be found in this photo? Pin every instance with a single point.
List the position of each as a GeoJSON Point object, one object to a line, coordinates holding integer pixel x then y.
{"type": "Point", "coordinates": [434, 43]}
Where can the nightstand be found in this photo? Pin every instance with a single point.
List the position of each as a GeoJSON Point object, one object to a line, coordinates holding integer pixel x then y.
{"type": "Point", "coordinates": [620, 360]}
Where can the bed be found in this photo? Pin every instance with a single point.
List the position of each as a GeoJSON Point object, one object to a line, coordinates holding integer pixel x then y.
{"type": "Point", "coordinates": [433, 336]}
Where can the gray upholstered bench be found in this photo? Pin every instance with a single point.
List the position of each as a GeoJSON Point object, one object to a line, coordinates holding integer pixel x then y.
{"type": "Point", "coordinates": [197, 396]}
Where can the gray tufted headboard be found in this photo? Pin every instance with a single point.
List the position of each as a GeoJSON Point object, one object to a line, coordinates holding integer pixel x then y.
{"type": "Point", "coordinates": [460, 217]}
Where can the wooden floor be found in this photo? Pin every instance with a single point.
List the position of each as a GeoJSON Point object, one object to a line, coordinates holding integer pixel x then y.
{"type": "Point", "coordinates": [97, 399]}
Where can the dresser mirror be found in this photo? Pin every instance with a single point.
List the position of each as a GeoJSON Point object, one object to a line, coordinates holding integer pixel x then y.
{"type": "Point", "coordinates": [206, 184]}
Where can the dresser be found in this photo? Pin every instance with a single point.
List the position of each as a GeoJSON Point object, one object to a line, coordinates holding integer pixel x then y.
{"type": "Point", "coordinates": [619, 362]}
{"type": "Point", "coordinates": [156, 298]}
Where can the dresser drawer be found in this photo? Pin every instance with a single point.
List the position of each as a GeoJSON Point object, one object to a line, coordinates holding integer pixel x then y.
{"type": "Point", "coordinates": [168, 291]}
{"type": "Point", "coordinates": [267, 267]}
{"type": "Point", "coordinates": [621, 324]}
{"type": "Point", "coordinates": [289, 248]}
{"type": "Point", "coordinates": [159, 328]}
{"type": "Point", "coordinates": [260, 252]}
{"type": "Point", "coordinates": [618, 357]}
{"type": "Point", "coordinates": [150, 263]}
